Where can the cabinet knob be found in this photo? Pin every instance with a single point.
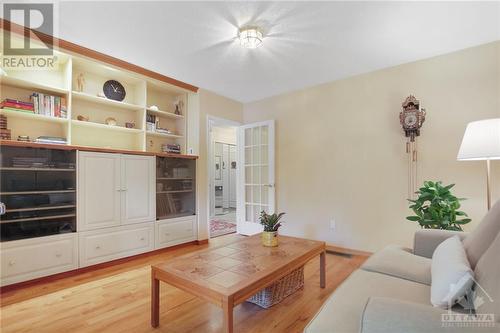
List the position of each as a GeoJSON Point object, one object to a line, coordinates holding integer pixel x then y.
{"type": "Point", "coordinates": [97, 247]}
{"type": "Point", "coordinates": [12, 263]}
{"type": "Point", "coordinates": [142, 238]}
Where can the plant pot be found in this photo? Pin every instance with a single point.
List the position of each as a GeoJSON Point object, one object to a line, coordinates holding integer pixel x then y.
{"type": "Point", "coordinates": [269, 238]}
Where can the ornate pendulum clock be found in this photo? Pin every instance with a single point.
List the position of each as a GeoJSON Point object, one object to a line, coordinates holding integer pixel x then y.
{"type": "Point", "coordinates": [411, 118]}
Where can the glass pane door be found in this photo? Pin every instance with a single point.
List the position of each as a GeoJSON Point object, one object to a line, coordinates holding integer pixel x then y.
{"type": "Point", "coordinates": [257, 175]}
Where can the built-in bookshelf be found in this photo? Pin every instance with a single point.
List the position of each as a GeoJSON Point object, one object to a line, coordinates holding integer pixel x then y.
{"type": "Point", "coordinates": [89, 118]}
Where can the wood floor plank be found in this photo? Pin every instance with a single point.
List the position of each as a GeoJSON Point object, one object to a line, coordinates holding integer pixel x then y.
{"type": "Point", "coordinates": [117, 299]}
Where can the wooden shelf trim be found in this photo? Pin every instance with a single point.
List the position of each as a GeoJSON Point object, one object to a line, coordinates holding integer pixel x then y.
{"type": "Point", "coordinates": [12, 143]}
{"type": "Point", "coordinates": [77, 49]}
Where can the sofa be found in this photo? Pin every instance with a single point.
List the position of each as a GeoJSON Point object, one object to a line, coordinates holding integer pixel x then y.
{"type": "Point", "coordinates": [391, 291]}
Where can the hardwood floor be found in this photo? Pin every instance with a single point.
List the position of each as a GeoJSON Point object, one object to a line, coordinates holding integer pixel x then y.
{"type": "Point", "coordinates": [117, 299]}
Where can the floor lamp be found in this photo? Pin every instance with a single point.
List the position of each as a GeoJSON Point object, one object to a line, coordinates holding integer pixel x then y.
{"type": "Point", "coordinates": [481, 142]}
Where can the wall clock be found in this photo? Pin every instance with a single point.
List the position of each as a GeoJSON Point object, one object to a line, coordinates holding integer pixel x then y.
{"type": "Point", "coordinates": [411, 118]}
{"type": "Point", "coordinates": [114, 90]}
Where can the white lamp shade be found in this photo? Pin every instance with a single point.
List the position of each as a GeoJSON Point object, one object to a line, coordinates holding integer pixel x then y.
{"type": "Point", "coordinates": [481, 141]}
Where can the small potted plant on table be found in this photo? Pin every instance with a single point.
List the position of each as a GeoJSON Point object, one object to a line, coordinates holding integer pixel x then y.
{"type": "Point", "coordinates": [271, 223]}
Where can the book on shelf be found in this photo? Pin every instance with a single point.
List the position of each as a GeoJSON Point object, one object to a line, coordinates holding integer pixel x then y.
{"type": "Point", "coordinates": [51, 140]}
{"type": "Point", "coordinates": [48, 105]}
{"type": "Point", "coordinates": [15, 104]}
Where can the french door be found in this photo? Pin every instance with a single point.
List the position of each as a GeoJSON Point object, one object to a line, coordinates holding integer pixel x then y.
{"type": "Point", "coordinates": [256, 185]}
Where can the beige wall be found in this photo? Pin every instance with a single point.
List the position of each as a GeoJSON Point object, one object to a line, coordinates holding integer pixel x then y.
{"type": "Point", "coordinates": [210, 104]}
{"type": "Point", "coordinates": [341, 152]}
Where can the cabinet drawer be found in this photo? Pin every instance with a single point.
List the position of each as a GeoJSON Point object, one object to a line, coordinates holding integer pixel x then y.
{"type": "Point", "coordinates": [28, 259]}
{"type": "Point", "coordinates": [170, 233]}
{"type": "Point", "coordinates": [112, 243]}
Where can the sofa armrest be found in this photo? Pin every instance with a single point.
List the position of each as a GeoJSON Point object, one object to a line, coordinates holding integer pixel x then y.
{"type": "Point", "coordinates": [426, 240]}
{"type": "Point", "coordinates": [388, 315]}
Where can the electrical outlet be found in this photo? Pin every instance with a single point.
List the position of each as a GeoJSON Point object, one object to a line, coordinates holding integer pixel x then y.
{"type": "Point", "coordinates": [333, 224]}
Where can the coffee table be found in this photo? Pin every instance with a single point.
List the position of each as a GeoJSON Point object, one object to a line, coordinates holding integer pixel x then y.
{"type": "Point", "coordinates": [229, 274]}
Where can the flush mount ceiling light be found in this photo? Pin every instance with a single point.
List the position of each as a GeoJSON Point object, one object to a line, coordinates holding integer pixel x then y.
{"type": "Point", "coordinates": [250, 37]}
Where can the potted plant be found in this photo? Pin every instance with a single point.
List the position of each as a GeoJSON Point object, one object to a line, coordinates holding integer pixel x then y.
{"type": "Point", "coordinates": [271, 223]}
{"type": "Point", "coordinates": [437, 208]}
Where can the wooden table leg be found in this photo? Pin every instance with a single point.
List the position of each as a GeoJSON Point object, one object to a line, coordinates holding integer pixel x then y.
{"type": "Point", "coordinates": [155, 300]}
{"type": "Point", "coordinates": [322, 269]}
{"type": "Point", "coordinates": [227, 308]}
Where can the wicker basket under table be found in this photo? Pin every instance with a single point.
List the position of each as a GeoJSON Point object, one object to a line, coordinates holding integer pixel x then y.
{"type": "Point", "coordinates": [279, 290]}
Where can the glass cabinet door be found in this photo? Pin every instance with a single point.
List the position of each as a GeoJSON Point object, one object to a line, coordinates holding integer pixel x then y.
{"type": "Point", "coordinates": [175, 187]}
{"type": "Point", "coordinates": [38, 189]}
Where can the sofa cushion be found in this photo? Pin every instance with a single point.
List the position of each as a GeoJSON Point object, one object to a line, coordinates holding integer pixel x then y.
{"type": "Point", "coordinates": [400, 262]}
{"type": "Point", "coordinates": [343, 309]}
{"type": "Point", "coordinates": [388, 315]}
{"type": "Point", "coordinates": [451, 273]}
{"type": "Point", "coordinates": [478, 241]}
{"type": "Point", "coordinates": [488, 280]}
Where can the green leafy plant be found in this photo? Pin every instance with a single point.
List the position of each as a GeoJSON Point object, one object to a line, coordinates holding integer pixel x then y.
{"type": "Point", "coordinates": [271, 222]}
{"type": "Point", "coordinates": [437, 208]}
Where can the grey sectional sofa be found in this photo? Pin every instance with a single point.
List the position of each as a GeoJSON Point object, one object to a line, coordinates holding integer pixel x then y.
{"type": "Point", "coordinates": [391, 291]}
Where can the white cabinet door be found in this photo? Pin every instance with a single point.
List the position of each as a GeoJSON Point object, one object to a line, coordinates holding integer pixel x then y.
{"type": "Point", "coordinates": [138, 189]}
{"type": "Point", "coordinates": [99, 190]}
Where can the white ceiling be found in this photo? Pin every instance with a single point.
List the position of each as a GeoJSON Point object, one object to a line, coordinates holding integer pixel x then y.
{"type": "Point", "coordinates": [306, 43]}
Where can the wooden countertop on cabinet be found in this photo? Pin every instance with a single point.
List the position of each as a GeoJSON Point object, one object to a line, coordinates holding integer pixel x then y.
{"type": "Point", "coordinates": [12, 143]}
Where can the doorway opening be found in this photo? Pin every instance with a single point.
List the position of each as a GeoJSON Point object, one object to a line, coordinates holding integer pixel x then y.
{"type": "Point", "coordinates": [223, 165]}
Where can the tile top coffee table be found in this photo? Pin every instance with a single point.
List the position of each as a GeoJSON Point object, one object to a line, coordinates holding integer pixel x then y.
{"type": "Point", "coordinates": [229, 274]}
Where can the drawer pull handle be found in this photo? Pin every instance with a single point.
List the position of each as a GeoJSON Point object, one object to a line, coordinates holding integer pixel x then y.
{"type": "Point", "coordinates": [167, 234]}
{"type": "Point", "coordinates": [58, 255]}
{"type": "Point", "coordinates": [97, 247]}
{"type": "Point", "coordinates": [142, 238]}
{"type": "Point", "coordinates": [12, 263]}
{"type": "Point", "coordinates": [189, 230]}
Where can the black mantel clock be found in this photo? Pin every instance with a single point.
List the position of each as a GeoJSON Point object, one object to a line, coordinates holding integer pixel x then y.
{"type": "Point", "coordinates": [114, 90]}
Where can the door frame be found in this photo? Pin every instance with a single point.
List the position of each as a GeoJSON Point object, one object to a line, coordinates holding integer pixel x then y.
{"type": "Point", "coordinates": [213, 121]}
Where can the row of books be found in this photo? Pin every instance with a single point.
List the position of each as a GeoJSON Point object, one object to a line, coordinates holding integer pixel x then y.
{"type": "Point", "coordinates": [15, 105]}
{"type": "Point", "coordinates": [49, 105]}
{"type": "Point", "coordinates": [51, 140]}
{"type": "Point", "coordinates": [171, 148]}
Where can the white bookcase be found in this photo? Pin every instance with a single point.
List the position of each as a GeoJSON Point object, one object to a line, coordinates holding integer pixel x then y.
{"type": "Point", "coordinates": [142, 93]}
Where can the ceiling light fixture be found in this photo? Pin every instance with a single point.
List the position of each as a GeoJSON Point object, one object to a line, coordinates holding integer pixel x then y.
{"type": "Point", "coordinates": [250, 37]}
